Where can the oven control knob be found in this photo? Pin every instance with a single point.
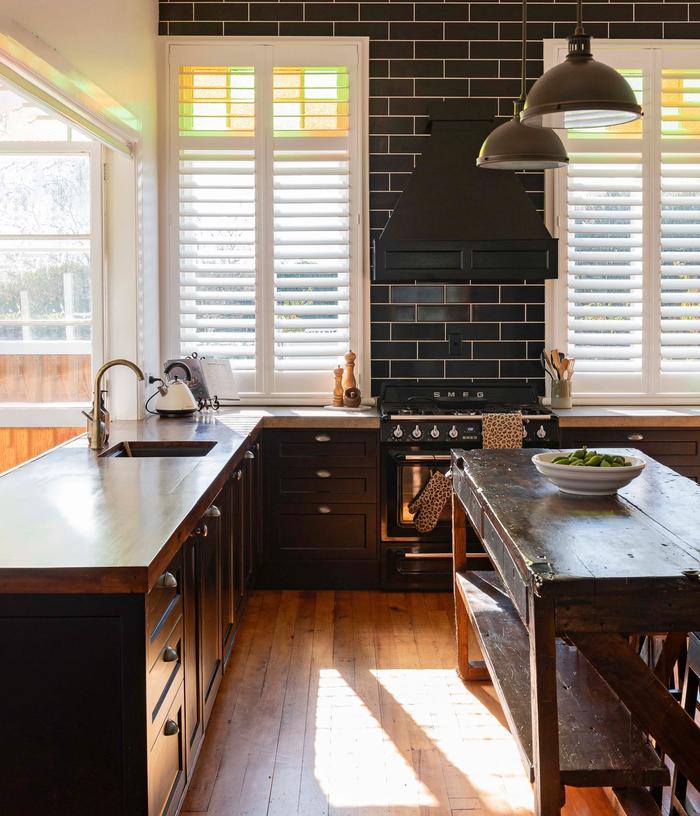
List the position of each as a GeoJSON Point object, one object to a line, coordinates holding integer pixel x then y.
{"type": "Point", "coordinates": [524, 431]}
{"type": "Point", "coordinates": [435, 432]}
{"type": "Point", "coordinates": [397, 433]}
{"type": "Point", "coordinates": [453, 433]}
{"type": "Point", "coordinates": [416, 433]}
{"type": "Point", "coordinates": [541, 433]}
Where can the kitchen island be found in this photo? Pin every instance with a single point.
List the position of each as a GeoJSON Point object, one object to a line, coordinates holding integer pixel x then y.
{"type": "Point", "coordinates": [576, 581]}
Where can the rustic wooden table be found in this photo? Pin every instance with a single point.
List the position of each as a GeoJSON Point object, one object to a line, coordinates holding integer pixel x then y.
{"type": "Point", "coordinates": [553, 625]}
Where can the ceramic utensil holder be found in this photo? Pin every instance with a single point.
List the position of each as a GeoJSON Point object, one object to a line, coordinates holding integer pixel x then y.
{"type": "Point", "coordinates": [561, 394]}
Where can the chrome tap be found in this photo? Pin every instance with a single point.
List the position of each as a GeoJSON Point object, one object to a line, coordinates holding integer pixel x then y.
{"type": "Point", "coordinates": [98, 418]}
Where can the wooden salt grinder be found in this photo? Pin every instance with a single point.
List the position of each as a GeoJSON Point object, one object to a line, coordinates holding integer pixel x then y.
{"type": "Point", "coordinates": [338, 387]}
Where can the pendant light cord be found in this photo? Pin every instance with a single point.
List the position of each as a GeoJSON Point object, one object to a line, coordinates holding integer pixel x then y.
{"type": "Point", "coordinates": [523, 57]}
{"type": "Point", "coordinates": [579, 17]}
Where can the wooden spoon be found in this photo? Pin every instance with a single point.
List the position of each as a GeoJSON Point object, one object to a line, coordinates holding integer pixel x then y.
{"type": "Point", "coordinates": [556, 363]}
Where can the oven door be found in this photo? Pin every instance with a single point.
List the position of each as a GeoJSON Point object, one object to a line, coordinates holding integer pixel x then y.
{"type": "Point", "coordinates": [405, 472]}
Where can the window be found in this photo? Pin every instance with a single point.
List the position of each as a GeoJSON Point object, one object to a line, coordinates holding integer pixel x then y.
{"type": "Point", "coordinates": [627, 302]}
{"type": "Point", "coordinates": [267, 235]}
{"type": "Point", "coordinates": [50, 258]}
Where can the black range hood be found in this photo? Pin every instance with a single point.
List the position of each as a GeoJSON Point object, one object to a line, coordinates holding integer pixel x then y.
{"type": "Point", "coordinates": [458, 222]}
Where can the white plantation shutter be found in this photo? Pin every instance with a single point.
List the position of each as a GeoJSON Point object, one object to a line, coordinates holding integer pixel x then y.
{"type": "Point", "coordinates": [217, 254]}
{"type": "Point", "coordinates": [605, 250]}
{"type": "Point", "coordinates": [270, 189]}
{"type": "Point", "coordinates": [628, 300]}
{"type": "Point", "coordinates": [312, 259]}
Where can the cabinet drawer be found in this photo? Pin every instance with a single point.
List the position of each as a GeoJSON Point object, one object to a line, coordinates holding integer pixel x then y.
{"type": "Point", "coordinates": [320, 447]}
{"type": "Point", "coordinates": [164, 678]}
{"type": "Point", "coordinates": [324, 530]}
{"type": "Point", "coordinates": [315, 484]}
{"type": "Point", "coordinates": [166, 761]}
{"type": "Point", "coordinates": [671, 447]}
{"type": "Point", "coordinates": [163, 607]}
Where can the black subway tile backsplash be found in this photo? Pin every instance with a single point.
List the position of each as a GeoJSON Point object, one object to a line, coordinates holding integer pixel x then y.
{"type": "Point", "coordinates": [411, 369]}
{"type": "Point", "coordinates": [418, 331]}
{"type": "Point", "coordinates": [419, 53]}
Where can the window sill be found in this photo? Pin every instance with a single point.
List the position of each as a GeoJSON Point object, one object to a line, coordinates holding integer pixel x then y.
{"type": "Point", "coordinates": [44, 415]}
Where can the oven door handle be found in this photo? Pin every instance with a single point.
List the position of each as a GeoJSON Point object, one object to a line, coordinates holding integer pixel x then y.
{"type": "Point", "coordinates": [427, 555]}
{"type": "Point", "coordinates": [424, 457]}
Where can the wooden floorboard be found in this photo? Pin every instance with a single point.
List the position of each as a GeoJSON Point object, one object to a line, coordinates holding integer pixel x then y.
{"type": "Point", "coordinates": [348, 704]}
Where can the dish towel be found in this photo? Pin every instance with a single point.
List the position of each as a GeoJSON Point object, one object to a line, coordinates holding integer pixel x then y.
{"type": "Point", "coordinates": [502, 430]}
{"type": "Point", "coordinates": [430, 501]}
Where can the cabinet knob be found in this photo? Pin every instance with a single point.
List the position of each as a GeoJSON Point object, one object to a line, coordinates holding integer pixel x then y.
{"type": "Point", "coordinates": [635, 437]}
{"type": "Point", "coordinates": [249, 454]}
{"type": "Point", "coordinates": [212, 512]}
{"type": "Point", "coordinates": [202, 531]}
{"type": "Point", "coordinates": [323, 474]}
{"type": "Point", "coordinates": [169, 654]}
{"type": "Point", "coordinates": [322, 438]}
{"type": "Point", "coordinates": [167, 580]}
{"type": "Point", "coordinates": [324, 509]}
{"type": "Point", "coordinates": [171, 728]}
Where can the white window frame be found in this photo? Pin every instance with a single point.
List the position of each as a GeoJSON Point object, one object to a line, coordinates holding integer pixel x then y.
{"type": "Point", "coordinates": [65, 414]}
{"type": "Point", "coordinates": [650, 56]}
{"type": "Point", "coordinates": [247, 51]}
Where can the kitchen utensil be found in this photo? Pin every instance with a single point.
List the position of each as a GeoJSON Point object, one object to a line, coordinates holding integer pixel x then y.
{"type": "Point", "coordinates": [587, 481]}
{"type": "Point", "coordinates": [546, 364]}
{"type": "Point", "coordinates": [555, 358]}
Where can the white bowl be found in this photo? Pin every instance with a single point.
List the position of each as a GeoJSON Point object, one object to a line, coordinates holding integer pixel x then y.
{"type": "Point", "coordinates": [587, 481]}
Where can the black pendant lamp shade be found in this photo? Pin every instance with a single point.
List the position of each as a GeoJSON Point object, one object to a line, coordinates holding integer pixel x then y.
{"type": "Point", "coordinates": [580, 92]}
{"type": "Point", "coordinates": [512, 145]}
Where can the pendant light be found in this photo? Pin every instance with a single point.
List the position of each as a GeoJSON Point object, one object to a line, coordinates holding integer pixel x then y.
{"type": "Point", "coordinates": [512, 146]}
{"type": "Point", "coordinates": [580, 92]}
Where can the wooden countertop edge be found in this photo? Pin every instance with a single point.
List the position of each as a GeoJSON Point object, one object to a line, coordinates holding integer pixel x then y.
{"type": "Point", "coordinates": [629, 421]}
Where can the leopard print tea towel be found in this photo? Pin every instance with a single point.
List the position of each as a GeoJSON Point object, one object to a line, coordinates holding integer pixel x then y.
{"type": "Point", "coordinates": [502, 430]}
{"type": "Point", "coordinates": [429, 503]}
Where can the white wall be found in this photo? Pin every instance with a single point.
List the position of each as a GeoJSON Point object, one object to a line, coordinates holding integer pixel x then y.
{"type": "Point", "coordinates": [114, 44]}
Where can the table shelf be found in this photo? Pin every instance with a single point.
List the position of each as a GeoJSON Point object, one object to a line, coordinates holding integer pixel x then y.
{"type": "Point", "coordinates": [599, 744]}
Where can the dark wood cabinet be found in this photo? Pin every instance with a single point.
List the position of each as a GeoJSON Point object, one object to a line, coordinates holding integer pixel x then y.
{"type": "Point", "coordinates": [203, 644]}
{"type": "Point", "coordinates": [240, 523]}
{"type": "Point", "coordinates": [677, 448]}
{"type": "Point", "coordinates": [320, 509]}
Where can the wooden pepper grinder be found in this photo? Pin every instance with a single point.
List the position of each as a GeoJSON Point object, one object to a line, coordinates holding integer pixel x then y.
{"type": "Point", "coordinates": [351, 393]}
{"type": "Point", "coordinates": [349, 374]}
{"type": "Point", "coordinates": [338, 387]}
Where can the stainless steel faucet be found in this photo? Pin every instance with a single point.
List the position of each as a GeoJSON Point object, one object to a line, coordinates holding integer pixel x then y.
{"type": "Point", "coordinates": [98, 418]}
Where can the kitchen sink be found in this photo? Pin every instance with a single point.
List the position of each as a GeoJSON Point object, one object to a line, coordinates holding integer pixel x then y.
{"type": "Point", "coordinates": [147, 450]}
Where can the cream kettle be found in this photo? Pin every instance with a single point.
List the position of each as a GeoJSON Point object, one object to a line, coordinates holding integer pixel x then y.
{"type": "Point", "coordinates": [174, 398]}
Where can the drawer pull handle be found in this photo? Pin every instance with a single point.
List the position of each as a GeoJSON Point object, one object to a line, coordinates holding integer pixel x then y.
{"type": "Point", "coordinates": [212, 512]}
{"type": "Point", "coordinates": [168, 581]}
{"type": "Point", "coordinates": [324, 509]}
{"type": "Point", "coordinates": [202, 531]}
{"type": "Point", "coordinates": [171, 728]}
{"type": "Point", "coordinates": [169, 654]}
{"type": "Point", "coordinates": [249, 455]}
{"type": "Point", "coordinates": [322, 438]}
{"type": "Point", "coordinates": [635, 437]}
{"type": "Point", "coordinates": [238, 475]}
{"type": "Point", "coordinates": [323, 474]}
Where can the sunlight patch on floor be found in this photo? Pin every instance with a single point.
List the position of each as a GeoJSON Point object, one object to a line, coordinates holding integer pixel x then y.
{"type": "Point", "coordinates": [356, 762]}
{"type": "Point", "coordinates": [478, 750]}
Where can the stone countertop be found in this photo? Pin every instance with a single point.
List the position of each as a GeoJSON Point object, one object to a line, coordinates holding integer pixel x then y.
{"type": "Point", "coordinates": [629, 416]}
{"type": "Point", "coordinates": [75, 521]}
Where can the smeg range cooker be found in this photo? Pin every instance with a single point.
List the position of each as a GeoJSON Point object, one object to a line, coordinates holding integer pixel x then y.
{"type": "Point", "coordinates": [420, 423]}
